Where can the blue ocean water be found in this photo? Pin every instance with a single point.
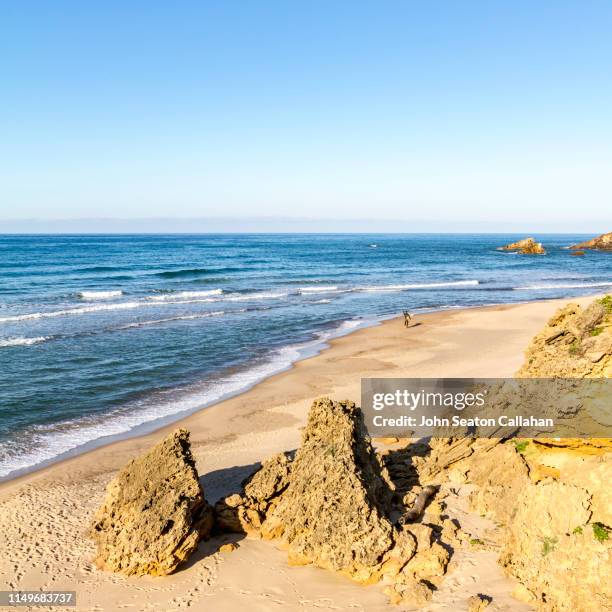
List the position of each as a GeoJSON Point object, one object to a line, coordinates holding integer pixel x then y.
{"type": "Point", "coordinates": [106, 335]}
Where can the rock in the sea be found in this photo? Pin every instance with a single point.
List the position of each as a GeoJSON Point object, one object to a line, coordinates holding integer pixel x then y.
{"type": "Point", "coordinates": [154, 513]}
{"type": "Point", "coordinates": [600, 243]}
{"type": "Point", "coordinates": [527, 246]}
{"type": "Point", "coordinates": [578, 254]}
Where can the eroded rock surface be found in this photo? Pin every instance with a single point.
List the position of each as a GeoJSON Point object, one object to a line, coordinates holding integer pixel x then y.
{"type": "Point", "coordinates": [552, 495]}
{"type": "Point", "coordinates": [527, 246]}
{"type": "Point", "coordinates": [602, 243]}
{"type": "Point", "coordinates": [333, 506]}
{"type": "Point", "coordinates": [154, 513]}
{"type": "Point", "coordinates": [576, 343]}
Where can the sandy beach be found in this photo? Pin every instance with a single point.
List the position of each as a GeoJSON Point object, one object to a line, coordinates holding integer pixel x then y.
{"type": "Point", "coordinates": [44, 515]}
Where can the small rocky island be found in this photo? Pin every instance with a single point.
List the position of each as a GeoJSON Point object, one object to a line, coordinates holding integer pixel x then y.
{"type": "Point", "coordinates": [527, 246]}
{"type": "Point", "coordinates": [601, 243]}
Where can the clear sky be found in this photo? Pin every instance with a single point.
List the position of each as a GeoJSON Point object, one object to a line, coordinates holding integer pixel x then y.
{"type": "Point", "coordinates": [452, 111]}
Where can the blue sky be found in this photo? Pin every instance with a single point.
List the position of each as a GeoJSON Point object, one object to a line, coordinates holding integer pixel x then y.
{"type": "Point", "coordinates": [449, 111]}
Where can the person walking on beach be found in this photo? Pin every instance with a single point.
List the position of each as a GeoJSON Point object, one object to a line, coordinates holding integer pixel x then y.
{"type": "Point", "coordinates": [407, 318]}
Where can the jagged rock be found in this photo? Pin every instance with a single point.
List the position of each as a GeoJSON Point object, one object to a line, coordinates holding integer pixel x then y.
{"type": "Point", "coordinates": [552, 550]}
{"type": "Point", "coordinates": [444, 452]}
{"type": "Point", "coordinates": [501, 475]}
{"type": "Point", "coordinates": [333, 511]}
{"type": "Point", "coordinates": [578, 254]}
{"type": "Point", "coordinates": [477, 603]}
{"type": "Point", "coordinates": [602, 243]}
{"type": "Point", "coordinates": [555, 502]}
{"type": "Point", "coordinates": [245, 513]}
{"type": "Point", "coordinates": [331, 506]}
{"type": "Point", "coordinates": [154, 513]}
{"type": "Point", "coordinates": [527, 246]}
{"type": "Point", "coordinates": [576, 343]}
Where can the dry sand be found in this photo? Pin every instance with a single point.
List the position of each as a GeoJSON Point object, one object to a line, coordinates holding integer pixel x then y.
{"type": "Point", "coordinates": [44, 515]}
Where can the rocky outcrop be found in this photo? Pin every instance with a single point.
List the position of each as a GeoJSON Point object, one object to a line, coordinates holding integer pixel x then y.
{"type": "Point", "coordinates": [576, 342]}
{"type": "Point", "coordinates": [332, 506]}
{"type": "Point", "coordinates": [549, 496]}
{"type": "Point", "coordinates": [245, 513]}
{"type": "Point", "coordinates": [333, 510]}
{"type": "Point", "coordinates": [154, 513]}
{"type": "Point", "coordinates": [601, 243]}
{"type": "Point", "coordinates": [552, 495]}
{"type": "Point", "coordinates": [477, 603]}
{"type": "Point", "coordinates": [527, 246]}
{"type": "Point", "coordinates": [557, 551]}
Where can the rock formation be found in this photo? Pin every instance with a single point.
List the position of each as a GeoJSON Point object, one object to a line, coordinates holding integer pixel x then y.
{"type": "Point", "coordinates": [332, 506]}
{"type": "Point", "coordinates": [154, 513]}
{"type": "Point", "coordinates": [552, 495]}
{"type": "Point", "coordinates": [478, 603]}
{"type": "Point", "coordinates": [245, 513]}
{"type": "Point", "coordinates": [575, 343]}
{"type": "Point", "coordinates": [527, 246]}
{"type": "Point", "coordinates": [601, 243]}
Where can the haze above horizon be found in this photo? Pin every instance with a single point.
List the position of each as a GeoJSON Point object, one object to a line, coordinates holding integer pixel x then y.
{"type": "Point", "coordinates": [460, 116]}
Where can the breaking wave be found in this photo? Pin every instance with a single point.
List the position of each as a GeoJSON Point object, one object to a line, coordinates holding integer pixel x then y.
{"type": "Point", "coordinates": [99, 295]}
{"type": "Point", "coordinates": [5, 342]}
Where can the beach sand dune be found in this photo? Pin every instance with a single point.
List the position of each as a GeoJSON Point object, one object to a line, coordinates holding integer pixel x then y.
{"type": "Point", "coordinates": [44, 516]}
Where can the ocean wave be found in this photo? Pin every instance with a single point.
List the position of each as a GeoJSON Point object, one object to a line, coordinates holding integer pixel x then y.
{"type": "Point", "coordinates": [48, 442]}
{"type": "Point", "coordinates": [141, 304]}
{"type": "Point", "coordinates": [182, 273]}
{"type": "Point", "coordinates": [5, 342]}
{"type": "Point", "coordinates": [70, 311]}
{"type": "Point", "coordinates": [191, 272]}
{"type": "Point", "coordinates": [563, 286]}
{"type": "Point", "coordinates": [465, 283]}
{"type": "Point", "coordinates": [173, 295]}
{"type": "Point", "coordinates": [99, 295]}
{"type": "Point", "coordinates": [202, 315]}
{"type": "Point", "coordinates": [317, 289]}
{"type": "Point", "coordinates": [261, 295]}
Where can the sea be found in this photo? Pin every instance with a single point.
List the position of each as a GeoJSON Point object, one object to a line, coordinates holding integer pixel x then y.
{"type": "Point", "coordinates": [107, 336]}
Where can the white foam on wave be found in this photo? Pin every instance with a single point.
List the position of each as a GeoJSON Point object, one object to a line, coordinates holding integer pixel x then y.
{"type": "Point", "coordinates": [48, 442]}
{"type": "Point", "coordinates": [5, 342]}
{"type": "Point", "coordinates": [261, 295]}
{"type": "Point", "coordinates": [317, 289]}
{"type": "Point", "coordinates": [465, 283]}
{"type": "Point", "coordinates": [71, 311]}
{"type": "Point", "coordinates": [202, 315]}
{"type": "Point", "coordinates": [563, 286]}
{"type": "Point", "coordinates": [99, 295]}
{"type": "Point", "coordinates": [180, 295]}
{"type": "Point", "coordinates": [100, 308]}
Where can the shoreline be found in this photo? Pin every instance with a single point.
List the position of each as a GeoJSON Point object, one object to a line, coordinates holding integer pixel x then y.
{"type": "Point", "coordinates": [46, 515]}
{"type": "Point", "coordinates": [306, 351]}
